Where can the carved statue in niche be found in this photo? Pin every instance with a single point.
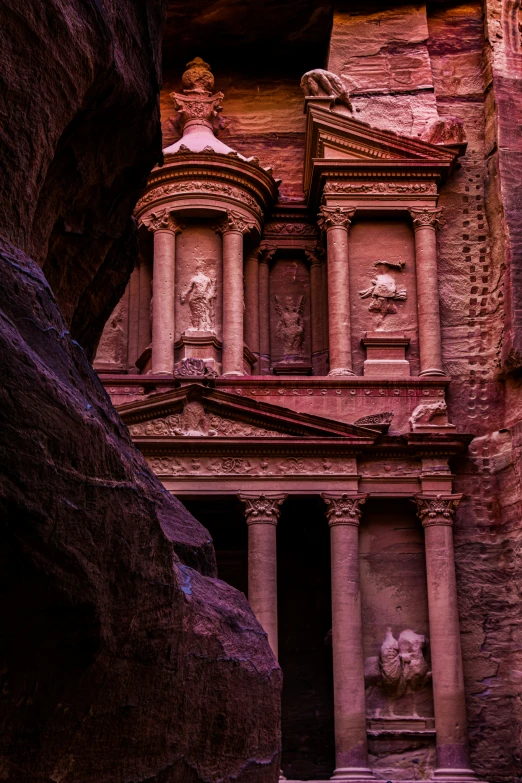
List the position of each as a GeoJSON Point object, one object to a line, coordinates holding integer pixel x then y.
{"type": "Point", "coordinates": [321, 83]}
{"type": "Point", "coordinates": [201, 296]}
{"type": "Point", "coordinates": [400, 669]}
{"type": "Point", "coordinates": [290, 327]}
{"type": "Point", "coordinates": [384, 291]}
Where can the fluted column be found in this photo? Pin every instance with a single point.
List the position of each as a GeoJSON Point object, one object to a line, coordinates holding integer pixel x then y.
{"type": "Point", "coordinates": [425, 224]}
{"type": "Point", "coordinates": [336, 221]}
{"type": "Point", "coordinates": [144, 311]}
{"type": "Point", "coordinates": [165, 227]}
{"type": "Point", "coordinates": [351, 745]}
{"type": "Point", "coordinates": [252, 304]}
{"type": "Point", "coordinates": [264, 311]}
{"type": "Point", "coordinates": [262, 513]}
{"type": "Point", "coordinates": [437, 514]}
{"type": "Point", "coordinates": [233, 229]}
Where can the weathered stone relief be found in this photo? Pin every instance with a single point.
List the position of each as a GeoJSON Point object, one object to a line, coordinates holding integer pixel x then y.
{"type": "Point", "coordinates": [384, 291]}
{"type": "Point", "coordinates": [194, 368]}
{"type": "Point", "coordinates": [290, 327]}
{"type": "Point", "coordinates": [392, 467]}
{"type": "Point", "coordinates": [321, 83]}
{"type": "Point", "coordinates": [291, 229]}
{"type": "Point", "coordinates": [201, 297]}
{"type": "Point", "coordinates": [381, 187]}
{"type": "Point", "coordinates": [195, 422]}
{"type": "Point", "coordinates": [376, 418]}
{"type": "Point", "coordinates": [427, 411]}
{"type": "Point", "coordinates": [206, 187]}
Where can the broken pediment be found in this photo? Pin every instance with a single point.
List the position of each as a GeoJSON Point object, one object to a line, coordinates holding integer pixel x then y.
{"type": "Point", "coordinates": [338, 145]}
{"type": "Point", "coordinates": [199, 411]}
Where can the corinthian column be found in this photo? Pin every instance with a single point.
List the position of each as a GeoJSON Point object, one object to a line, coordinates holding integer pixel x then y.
{"type": "Point", "coordinates": [262, 513]}
{"type": "Point", "coordinates": [351, 745]}
{"type": "Point", "coordinates": [165, 228]}
{"type": "Point", "coordinates": [437, 514]}
{"type": "Point", "coordinates": [425, 224]}
{"type": "Point", "coordinates": [232, 230]}
{"type": "Point", "coordinates": [337, 221]}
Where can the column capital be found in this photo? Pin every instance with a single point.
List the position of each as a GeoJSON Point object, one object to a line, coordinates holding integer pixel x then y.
{"type": "Point", "coordinates": [262, 509]}
{"type": "Point", "coordinates": [315, 256]}
{"type": "Point", "coordinates": [436, 509]}
{"type": "Point", "coordinates": [163, 220]}
{"type": "Point", "coordinates": [335, 217]}
{"type": "Point", "coordinates": [343, 509]}
{"type": "Point", "coordinates": [426, 218]}
{"type": "Point", "coordinates": [234, 222]}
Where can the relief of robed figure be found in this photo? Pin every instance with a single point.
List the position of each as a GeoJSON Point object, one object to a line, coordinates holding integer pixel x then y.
{"type": "Point", "coordinates": [201, 296]}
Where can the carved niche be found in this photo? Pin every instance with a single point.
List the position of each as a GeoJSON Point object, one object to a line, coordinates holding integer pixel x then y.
{"type": "Point", "coordinates": [290, 334]}
{"type": "Point", "coordinates": [198, 299]}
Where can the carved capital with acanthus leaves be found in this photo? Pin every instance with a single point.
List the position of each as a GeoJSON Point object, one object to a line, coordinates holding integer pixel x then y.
{"type": "Point", "coordinates": [426, 218]}
{"type": "Point", "coordinates": [263, 509]}
{"type": "Point", "coordinates": [234, 222]}
{"type": "Point", "coordinates": [437, 509]}
{"type": "Point", "coordinates": [344, 509]}
{"type": "Point", "coordinates": [335, 217]}
{"type": "Point", "coordinates": [163, 220]}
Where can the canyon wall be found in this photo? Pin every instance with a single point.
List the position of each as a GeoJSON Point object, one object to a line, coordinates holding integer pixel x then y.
{"type": "Point", "coordinates": [123, 656]}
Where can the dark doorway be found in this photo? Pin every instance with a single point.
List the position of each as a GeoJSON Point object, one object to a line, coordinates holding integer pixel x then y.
{"type": "Point", "coordinates": [223, 517]}
{"type": "Point", "coordinates": [305, 651]}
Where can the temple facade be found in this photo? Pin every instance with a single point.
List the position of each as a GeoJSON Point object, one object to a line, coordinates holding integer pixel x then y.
{"type": "Point", "coordinates": [279, 363]}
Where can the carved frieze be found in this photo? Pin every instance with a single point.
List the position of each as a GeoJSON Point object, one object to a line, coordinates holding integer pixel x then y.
{"type": "Point", "coordinates": [254, 466]}
{"type": "Point", "coordinates": [392, 188]}
{"type": "Point", "coordinates": [291, 229]}
{"type": "Point", "coordinates": [200, 187]}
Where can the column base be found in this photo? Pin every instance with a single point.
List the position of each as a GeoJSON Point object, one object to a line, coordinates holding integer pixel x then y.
{"type": "Point", "coordinates": [353, 774]}
{"type": "Point", "coordinates": [432, 371]}
{"type": "Point", "coordinates": [449, 775]}
{"type": "Point", "coordinates": [233, 374]}
{"type": "Point", "coordinates": [340, 371]}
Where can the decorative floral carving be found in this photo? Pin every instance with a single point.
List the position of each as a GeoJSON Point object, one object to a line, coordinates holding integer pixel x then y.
{"type": "Point", "coordinates": [262, 509]}
{"type": "Point", "coordinates": [291, 229]}
{"type": "Point", "coordinates": [162, 221]}
{"type": "Point", "coordinates": [201, 296]}
{"type": "Point", "coordinates": [437, 510]}
{"type": "Point", "coordinates": [383, 290]}
{"type": "Point", "coordinates": [290, 327]}
{"type": "Point", "coordinates": [426, 217]}
{"type": "Point", "coordinates": [228, 465]}
{"type": "Point", "coordinates": [195, 422]}
{"type": "Point", "coordinates": [194, 368]}
{"type": "Point", "coordinates": [380, 187]}
{"type": "Point", "coordinates": [198, 187]}
{"type": "Point", "coordinates": [427, 411]}
{"type": "Point", "coordinates": [321, 83]}
{"type": "Point", "coordinates": [376, 418]}
{"type": "Point", "coordinates": [167, 466]}
{"type": "Point", "coordinates": [235, 222]}
{"type": "Point", "coordinates": [332, 217]}
{"type": "Point", "coordinates": [344, 509]}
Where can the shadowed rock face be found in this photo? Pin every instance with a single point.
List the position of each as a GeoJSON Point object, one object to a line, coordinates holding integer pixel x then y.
{"type": "Point", "coordinates": [122, 656]}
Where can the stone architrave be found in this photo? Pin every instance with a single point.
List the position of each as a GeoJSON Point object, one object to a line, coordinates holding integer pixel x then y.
{"type": "Point", "coordinates": [336, 222]}
{"type": "Point", "coordinates": [232, 229]}
{"type": "Point", "coordinates": [425, 224]}
{"type": "Point", "coordinates": [165, 227]}
{"type": "Point", "coordinates": [351, 745]}
{"type": "Point", "coordinates": [262, 513]}
{"type": "Point", "coordinates": [437, 513]}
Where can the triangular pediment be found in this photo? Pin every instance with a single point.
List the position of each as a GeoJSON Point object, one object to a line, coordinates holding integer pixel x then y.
{"type": "Point", "coordinates": [338, 139]}
{"type": "Point", "coordinates": [196, 411]}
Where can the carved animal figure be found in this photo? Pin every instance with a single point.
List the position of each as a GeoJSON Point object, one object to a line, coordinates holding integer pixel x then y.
{"type": "Point", "coordinates": [201, 295]}
{"type": "Point", "coordinates": [320, 82]}
{"type": "Point", "coordinates": [427, 411]}
{"type": "Point", "coordinates": [290, 327]}
{"type": "Point", "coordinates": [384, 290]}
